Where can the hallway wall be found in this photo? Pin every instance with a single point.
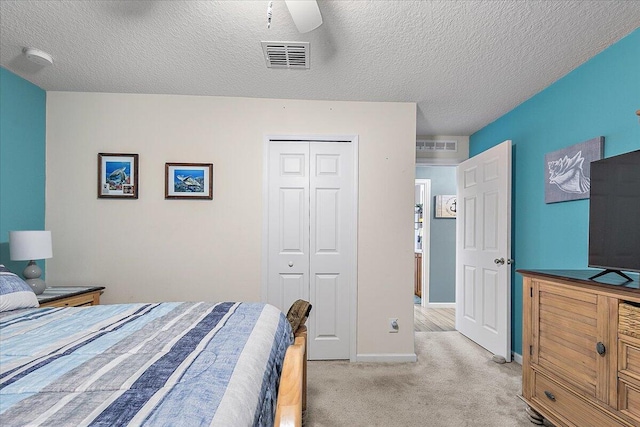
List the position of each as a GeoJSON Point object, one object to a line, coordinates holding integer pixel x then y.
{"type": "Point", "coordinates": [442, 259]}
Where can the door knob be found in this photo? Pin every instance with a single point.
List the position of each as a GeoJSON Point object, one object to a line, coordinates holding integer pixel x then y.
{"type": "Point", "coordinates": [290, 263]}
{"type": "Point", "coordinates": [499, 261]}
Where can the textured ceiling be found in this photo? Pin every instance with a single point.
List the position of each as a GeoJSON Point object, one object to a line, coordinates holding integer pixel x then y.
{"type": "Point", "coordinates": [465, 63]}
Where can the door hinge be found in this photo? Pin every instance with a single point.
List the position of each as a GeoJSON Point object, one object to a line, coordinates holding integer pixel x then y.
{"type": "Point", "coordinates": [531, 292]}
{"type": "Point", "coordinates": [530, 350]}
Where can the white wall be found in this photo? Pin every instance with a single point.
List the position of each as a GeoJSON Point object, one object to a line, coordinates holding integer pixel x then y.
{"type": "Point", "coordinates": [153, 249]}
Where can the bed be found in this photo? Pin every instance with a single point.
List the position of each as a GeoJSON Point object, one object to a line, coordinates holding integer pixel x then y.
{"type": "Point", "coordinates": [179, 363]}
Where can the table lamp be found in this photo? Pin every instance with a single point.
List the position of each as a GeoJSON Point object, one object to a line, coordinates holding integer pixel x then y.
{"type": "Point", "coordinates": [31, 245]}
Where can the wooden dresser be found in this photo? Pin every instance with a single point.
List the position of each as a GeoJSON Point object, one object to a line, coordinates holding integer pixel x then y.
{"type": "Point", "coordinates": [581, 348]}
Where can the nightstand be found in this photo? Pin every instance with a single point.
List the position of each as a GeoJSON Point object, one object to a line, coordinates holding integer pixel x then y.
{"type": "Point", "coordinates": [70, 296]}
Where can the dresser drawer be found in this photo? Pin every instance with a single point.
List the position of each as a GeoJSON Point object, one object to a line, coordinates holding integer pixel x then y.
{"type": "Point", "coordinates": [568, 407]}
{"type": "Point", "coordinates": [629, 319]}
{"type": "Point", "coordinates": [629, 360]}
{"type": "Point", "coordinates": [629, 400]}
{"type": "Point", "coordinates": [629, 377]}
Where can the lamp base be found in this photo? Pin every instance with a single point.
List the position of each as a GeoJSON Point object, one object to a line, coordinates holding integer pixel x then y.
{"type": "Point", "coordinates": [37, 285]}
{"type": "Point", "coordinates": [32, 274]}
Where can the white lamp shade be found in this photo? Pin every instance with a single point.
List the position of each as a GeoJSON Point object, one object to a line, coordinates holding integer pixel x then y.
{"type": "Point", "coordinates": [30, 245]}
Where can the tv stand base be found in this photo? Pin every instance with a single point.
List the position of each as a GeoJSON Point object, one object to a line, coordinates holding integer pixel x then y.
{"type": "Point", "coordinates": [607, 271]}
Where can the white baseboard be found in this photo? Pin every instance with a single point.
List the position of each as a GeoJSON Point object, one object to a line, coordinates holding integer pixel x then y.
{"type": "Point", "coordinates": [386, 357]}
{"type": "Point", "coordinates": [440, 305]}
{"type": "Point", "coordinates": [517, 358]}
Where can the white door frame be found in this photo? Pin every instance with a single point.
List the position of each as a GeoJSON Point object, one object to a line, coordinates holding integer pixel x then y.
{"type": "Point", "coordinates": [429, 162]}
{"type": "Point", "coordinates": [426, 238]}
{"type": "Point", "coordinates": [353, 283]}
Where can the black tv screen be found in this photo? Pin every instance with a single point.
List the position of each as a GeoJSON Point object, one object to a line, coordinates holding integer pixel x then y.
{"type": "Point", "coordinates": [614, 213]}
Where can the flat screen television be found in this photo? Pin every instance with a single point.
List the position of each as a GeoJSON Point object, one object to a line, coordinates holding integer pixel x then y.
{"type": "Point", "coordinates": [614, 214]}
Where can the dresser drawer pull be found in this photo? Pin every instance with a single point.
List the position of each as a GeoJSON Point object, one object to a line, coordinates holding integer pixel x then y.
{"type": "Point", "coordinates": [550, 395]}
{"type": "Point", "coordinates": [601, 349]}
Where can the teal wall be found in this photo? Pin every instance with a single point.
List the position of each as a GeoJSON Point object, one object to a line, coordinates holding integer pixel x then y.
{"type": "Point", "coordinates": [599, 98]}
{"type": "Point", "coordinates": [22, 160]}
{"type": "Point", "coordinates": [442, 259]}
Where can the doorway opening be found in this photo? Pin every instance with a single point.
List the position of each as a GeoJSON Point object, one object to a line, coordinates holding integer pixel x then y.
{"type": "Point", "coordinates": [434, 251]}
{"type": "Point", "coordinates": [481, 243]}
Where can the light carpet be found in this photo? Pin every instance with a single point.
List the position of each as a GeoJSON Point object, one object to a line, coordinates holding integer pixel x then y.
{"type": "Point", "coordinates": [453, 383]}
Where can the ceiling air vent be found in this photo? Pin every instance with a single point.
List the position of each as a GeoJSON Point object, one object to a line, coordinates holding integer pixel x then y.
{"type": "Point", "coordinates": [433, 145]}
{"type": "Point", "coordinates": [293, 55]}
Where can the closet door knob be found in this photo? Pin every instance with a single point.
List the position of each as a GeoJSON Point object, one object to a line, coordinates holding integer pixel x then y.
{"type": "Point", "coordinates": [290, 263]}
{"type": "Point", "coordinates": [601, 349]}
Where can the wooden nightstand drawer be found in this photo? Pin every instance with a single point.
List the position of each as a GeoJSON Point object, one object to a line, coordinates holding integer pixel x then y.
{"type": "Point", "coordinates": [568, 406]}
{"type": "Point", "coordinates": [77, 301]}
{"type": "Point", "coordinates": [70, 296]}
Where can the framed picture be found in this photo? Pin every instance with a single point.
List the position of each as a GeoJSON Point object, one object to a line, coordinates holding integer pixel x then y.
{"type": "Point", "coordinates": [117, 176]}
{"type": "Point", "coordinates": [568, 171]}
{"type": "Point", "coordinates": [188, 181]}
{"type": "Point", "coordinates": [446, 206]}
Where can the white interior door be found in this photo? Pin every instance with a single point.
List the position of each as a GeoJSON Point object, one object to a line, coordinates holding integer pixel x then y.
{"type": "Point", "coordinates": [310, 236]}
{"type": "Point", "coordinates": [288, 224]}
{"type": "Point", "coordinates": [483, 249]}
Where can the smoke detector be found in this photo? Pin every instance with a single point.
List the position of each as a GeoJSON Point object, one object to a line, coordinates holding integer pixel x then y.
{"type": "Point", "coordinates": [37, 56]}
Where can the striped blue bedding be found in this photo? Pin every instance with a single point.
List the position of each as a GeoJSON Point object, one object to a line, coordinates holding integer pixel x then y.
{"type": "Point", "coordinates": [164, 364]}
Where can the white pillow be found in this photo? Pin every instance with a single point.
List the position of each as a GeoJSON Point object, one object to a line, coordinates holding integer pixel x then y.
{"type": "Point", "coordinates": [14, 292]}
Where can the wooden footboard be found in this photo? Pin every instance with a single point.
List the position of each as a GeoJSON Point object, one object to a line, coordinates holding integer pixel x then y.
{"type": "Point", "coordinates": [292, 394]}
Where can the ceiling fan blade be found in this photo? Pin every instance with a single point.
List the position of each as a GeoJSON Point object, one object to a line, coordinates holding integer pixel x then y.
{"type": "Point", "coordinates": [305, 13]}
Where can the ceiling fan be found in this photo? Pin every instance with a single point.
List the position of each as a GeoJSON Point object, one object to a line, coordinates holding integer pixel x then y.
{"type": "Point", "coordinates": [305, 14]}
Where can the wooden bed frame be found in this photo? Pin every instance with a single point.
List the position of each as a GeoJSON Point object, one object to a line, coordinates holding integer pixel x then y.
{"type": "Point", "coordinates": [292, 394]}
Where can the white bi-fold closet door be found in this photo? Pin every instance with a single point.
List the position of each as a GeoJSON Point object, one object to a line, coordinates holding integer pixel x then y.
{"type": "Point", "coordinates": [311, 237]}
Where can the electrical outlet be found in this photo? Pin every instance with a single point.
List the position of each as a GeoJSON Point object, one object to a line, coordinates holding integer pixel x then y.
{"type": "Point", "coordinates": [393, 325]}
